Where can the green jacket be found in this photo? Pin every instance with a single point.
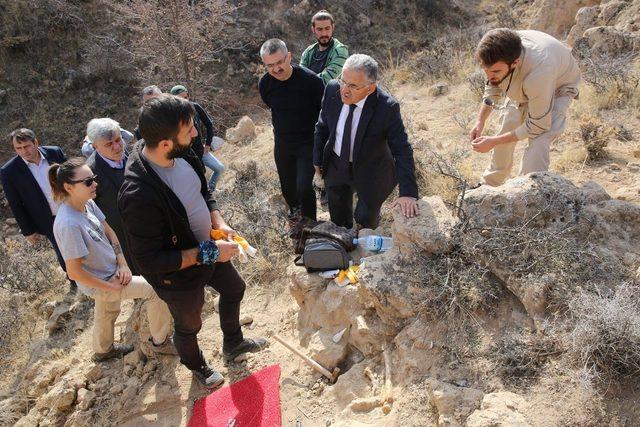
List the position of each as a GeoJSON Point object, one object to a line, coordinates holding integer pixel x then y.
{"type": "Point", "coordinates": [338, 53]}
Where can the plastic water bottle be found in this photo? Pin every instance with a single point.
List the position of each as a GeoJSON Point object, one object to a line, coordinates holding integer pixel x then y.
{"type": "Point", "coordinates": [374, 243]}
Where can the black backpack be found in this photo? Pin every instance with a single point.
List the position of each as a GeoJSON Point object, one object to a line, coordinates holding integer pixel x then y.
{"type": "Point", "coordinates": [324, 247]}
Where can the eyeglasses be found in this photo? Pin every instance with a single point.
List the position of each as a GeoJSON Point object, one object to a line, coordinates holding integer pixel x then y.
{"type": "Point", "coordinates": [351, 86]}
{"type": "Point", "coordinates": [276, 64]}
{"type": "Point", "coordinates": [87, 181]}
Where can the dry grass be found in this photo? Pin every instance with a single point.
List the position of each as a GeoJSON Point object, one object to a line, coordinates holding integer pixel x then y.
{"type": "Point", "coordinates": [605, 338]}
{"type": "Point", "coordinates": [522, 357]}
{"type": "Point", "coordinates": [251, 206]}
{"type": "Point", "coordinates": [595, 138]}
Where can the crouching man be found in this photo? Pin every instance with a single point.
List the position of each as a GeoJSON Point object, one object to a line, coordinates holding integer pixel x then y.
{"type": "Point", "coordinates": [168, 212]}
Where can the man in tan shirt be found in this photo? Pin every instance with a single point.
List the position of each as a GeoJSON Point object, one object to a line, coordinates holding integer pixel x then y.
{"type": "Point", "coordinates": [538, 78]}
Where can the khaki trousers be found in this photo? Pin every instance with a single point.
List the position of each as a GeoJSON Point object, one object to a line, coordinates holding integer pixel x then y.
{"type": "Point", "coordinates": [536, 154]}
{"type": "Point", "coordinates": [107, 309]}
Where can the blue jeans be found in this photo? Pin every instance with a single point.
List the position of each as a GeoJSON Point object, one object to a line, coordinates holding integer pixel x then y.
{"type": "Point", "coordinates": [216, 167]}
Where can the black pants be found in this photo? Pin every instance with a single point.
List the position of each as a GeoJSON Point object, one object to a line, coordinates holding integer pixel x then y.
{"type": "Point", "coordinates": [295, 170]}
{"type": "Point", "coordinates": [186, 308]}
{"type": "Point", "coordinates": [340, 197]}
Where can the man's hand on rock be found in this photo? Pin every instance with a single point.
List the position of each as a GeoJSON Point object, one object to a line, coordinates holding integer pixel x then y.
{"type": "Point", "coordinates": [408, 206]}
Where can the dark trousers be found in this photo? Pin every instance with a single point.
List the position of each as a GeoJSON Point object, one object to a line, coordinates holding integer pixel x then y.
{"type": "Point", "coordinates": [186, 308]}
{"type": "Point", "coordinates": [295, 170]}
{"type": "Point", "coordinates": [340, 191]}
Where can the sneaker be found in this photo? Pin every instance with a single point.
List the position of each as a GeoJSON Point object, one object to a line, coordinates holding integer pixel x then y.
{"type": "Point", "coordinates": [117, 350]}
{"type": "Point", "coordinates": [207, 376]}
{"type": "Point", "coordinates": [246, 346]}
{"type": "Point", "coordinates": [167, 347]}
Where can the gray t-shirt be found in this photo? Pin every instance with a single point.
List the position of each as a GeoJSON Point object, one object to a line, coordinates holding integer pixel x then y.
{"type": "Point", "coordinates": [184, 182]}
{"type": "Point", "coordinates": [81, 235]}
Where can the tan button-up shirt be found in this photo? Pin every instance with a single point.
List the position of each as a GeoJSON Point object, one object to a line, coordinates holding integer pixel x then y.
{"type": "Point", "coordinates": [546, 70]}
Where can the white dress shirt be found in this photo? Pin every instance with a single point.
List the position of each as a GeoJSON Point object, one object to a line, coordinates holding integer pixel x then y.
{"type": "Point", "coordinates": [112, 164]}
{"type": "Point", "coordinates": [354, 126]}
{"type": "Point", "coordinates": [40, 172]}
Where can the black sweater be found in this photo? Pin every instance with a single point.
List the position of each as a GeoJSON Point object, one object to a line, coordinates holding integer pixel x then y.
{"type": "Point", "coordinates": [156, 224]}
{"type": "Point", "coordinates": [295, 104]}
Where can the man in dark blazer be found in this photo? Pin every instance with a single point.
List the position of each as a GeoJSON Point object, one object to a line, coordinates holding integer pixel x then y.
{"type": "Point", "coordinates": [107, 162]}
{"type": "Point", "coordinates": [26, 185]}
{"type": "Point", "coordinates": [361, 145]}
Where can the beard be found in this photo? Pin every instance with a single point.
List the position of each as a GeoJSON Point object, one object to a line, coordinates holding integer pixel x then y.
{"type": "Point", "coordinates": [511, 70]}
{"type": "Point", "coordinates": [324, 43]}
{"type": "Point", "coordinates": [178, 150]}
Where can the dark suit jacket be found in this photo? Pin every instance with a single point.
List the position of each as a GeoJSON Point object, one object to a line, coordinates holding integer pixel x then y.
{"type": "Point", "coordinates": [382, 155]}
{"type": "Point", "coordinates": [27, 201]}
{"type": "Point", "coordinates": [109, 182]}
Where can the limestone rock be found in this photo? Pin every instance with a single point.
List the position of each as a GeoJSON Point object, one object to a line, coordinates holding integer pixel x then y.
{"type": "Point", "coordinates": [135, 357]}
{"type": "Point", "coordinates": [555, 17]}
{"type": "Point", "coordinates": [85, 399]}
{"type": "Point", "coordinates": [610, 40]}
{"type": "Point", "coordinates": [438, 89]}
{"type": "Point", "coordinates": [430, 231]}
{"type": "Point", "coordinates": [47, 375]}
{"type": "Point", "coordinates": [94, 373]}
{"type": "Point", "coordinates": [61, 396]}
{"type": "Point", "coordinates": [326, 352]}
{"type": "Point", "coordinates": [454, 404]}
{"type": "Point", "coordinates": [586, 18]}
{"type": "Point", "coordinates": [502, 408]}
{"type": "Point", "coordinates": [244, 131]}
{"type": "Point", "coordinates": [57, 318]}
{"type": "Point", "coordinates": [351, 385]}
{"type": "Point", "coordinates": [548, 203]}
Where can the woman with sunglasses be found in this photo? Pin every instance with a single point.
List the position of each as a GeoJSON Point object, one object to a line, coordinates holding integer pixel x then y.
{"type": "Point", "coordinates": [95, 260]}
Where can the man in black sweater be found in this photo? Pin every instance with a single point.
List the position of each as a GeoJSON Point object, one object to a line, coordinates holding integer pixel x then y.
{"type": "Point", "coordinates": [294, 95]}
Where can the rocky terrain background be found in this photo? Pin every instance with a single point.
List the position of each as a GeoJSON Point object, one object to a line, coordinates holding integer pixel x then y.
{"type": "Point", "coordinates": [513, 306]}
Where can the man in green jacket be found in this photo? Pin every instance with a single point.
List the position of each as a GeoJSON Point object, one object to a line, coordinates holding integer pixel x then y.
{"type": "Point", "coordinates": [327, 56]}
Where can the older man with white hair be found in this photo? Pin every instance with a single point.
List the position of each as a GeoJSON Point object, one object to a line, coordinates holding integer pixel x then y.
{"type": "Point", "coordinates": [361, 146]}
{"type": "Point", "coordinates": [107, 162]}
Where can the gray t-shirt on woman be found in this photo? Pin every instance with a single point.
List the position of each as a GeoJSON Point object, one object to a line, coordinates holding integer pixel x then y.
{"type": "Point", "coordinates": [185, 183]}
{"type": "Point", "coordinates": [81, 235]}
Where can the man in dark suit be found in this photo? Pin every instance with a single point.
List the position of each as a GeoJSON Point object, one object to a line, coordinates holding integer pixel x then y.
{"type": "Point", "coordinates": [361, 145]}
{"type": "Point", "coordinates": [107, 162]}
{"type": "Point", "coordinates": [26, 186]}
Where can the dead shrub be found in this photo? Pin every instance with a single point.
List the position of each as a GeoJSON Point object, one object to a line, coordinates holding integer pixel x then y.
{"type": "Point", "coordinates": [595, 138]}
{"type": "Point", "coordinates": [476, 82]}
{"type": "Point", "coordinates": [521, 357]}
{"type": "Point", "coordinates": [605, 338]}
{"type": "Point", "coordinates": [249, 208]}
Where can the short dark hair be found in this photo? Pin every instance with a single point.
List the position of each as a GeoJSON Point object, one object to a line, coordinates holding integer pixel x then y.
{"type": "Point", "coordinates": [322, 15]}
{"type": "Point", "coordinates": [22, 135]}
{"type": "Point", "coordinates": [501, 44]}
{"type": "Point", "coordinates": [160, 118]}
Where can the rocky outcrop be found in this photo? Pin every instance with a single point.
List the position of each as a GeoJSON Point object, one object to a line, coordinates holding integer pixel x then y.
{"type": "Point", "coordinates": [608, 28]}
{"type": "Point", "coordinates": [556, 16]}
{"type": "Point", "coordinates": [500, 409]}
{"type": "Point", "coordinates": [245, 131]}
{"type": "Point", "coordinates": [556, 230]}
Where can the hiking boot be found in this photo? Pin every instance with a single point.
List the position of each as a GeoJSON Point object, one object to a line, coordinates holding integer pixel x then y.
{"type": "Point", "coordinates": [167, 347]}
{"type": "Point", "coordinates": [117, 350]}
{"type": "Point", "coordinates": [246, 346]}
{"type": "Point", "coordinates": [207, 376]}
